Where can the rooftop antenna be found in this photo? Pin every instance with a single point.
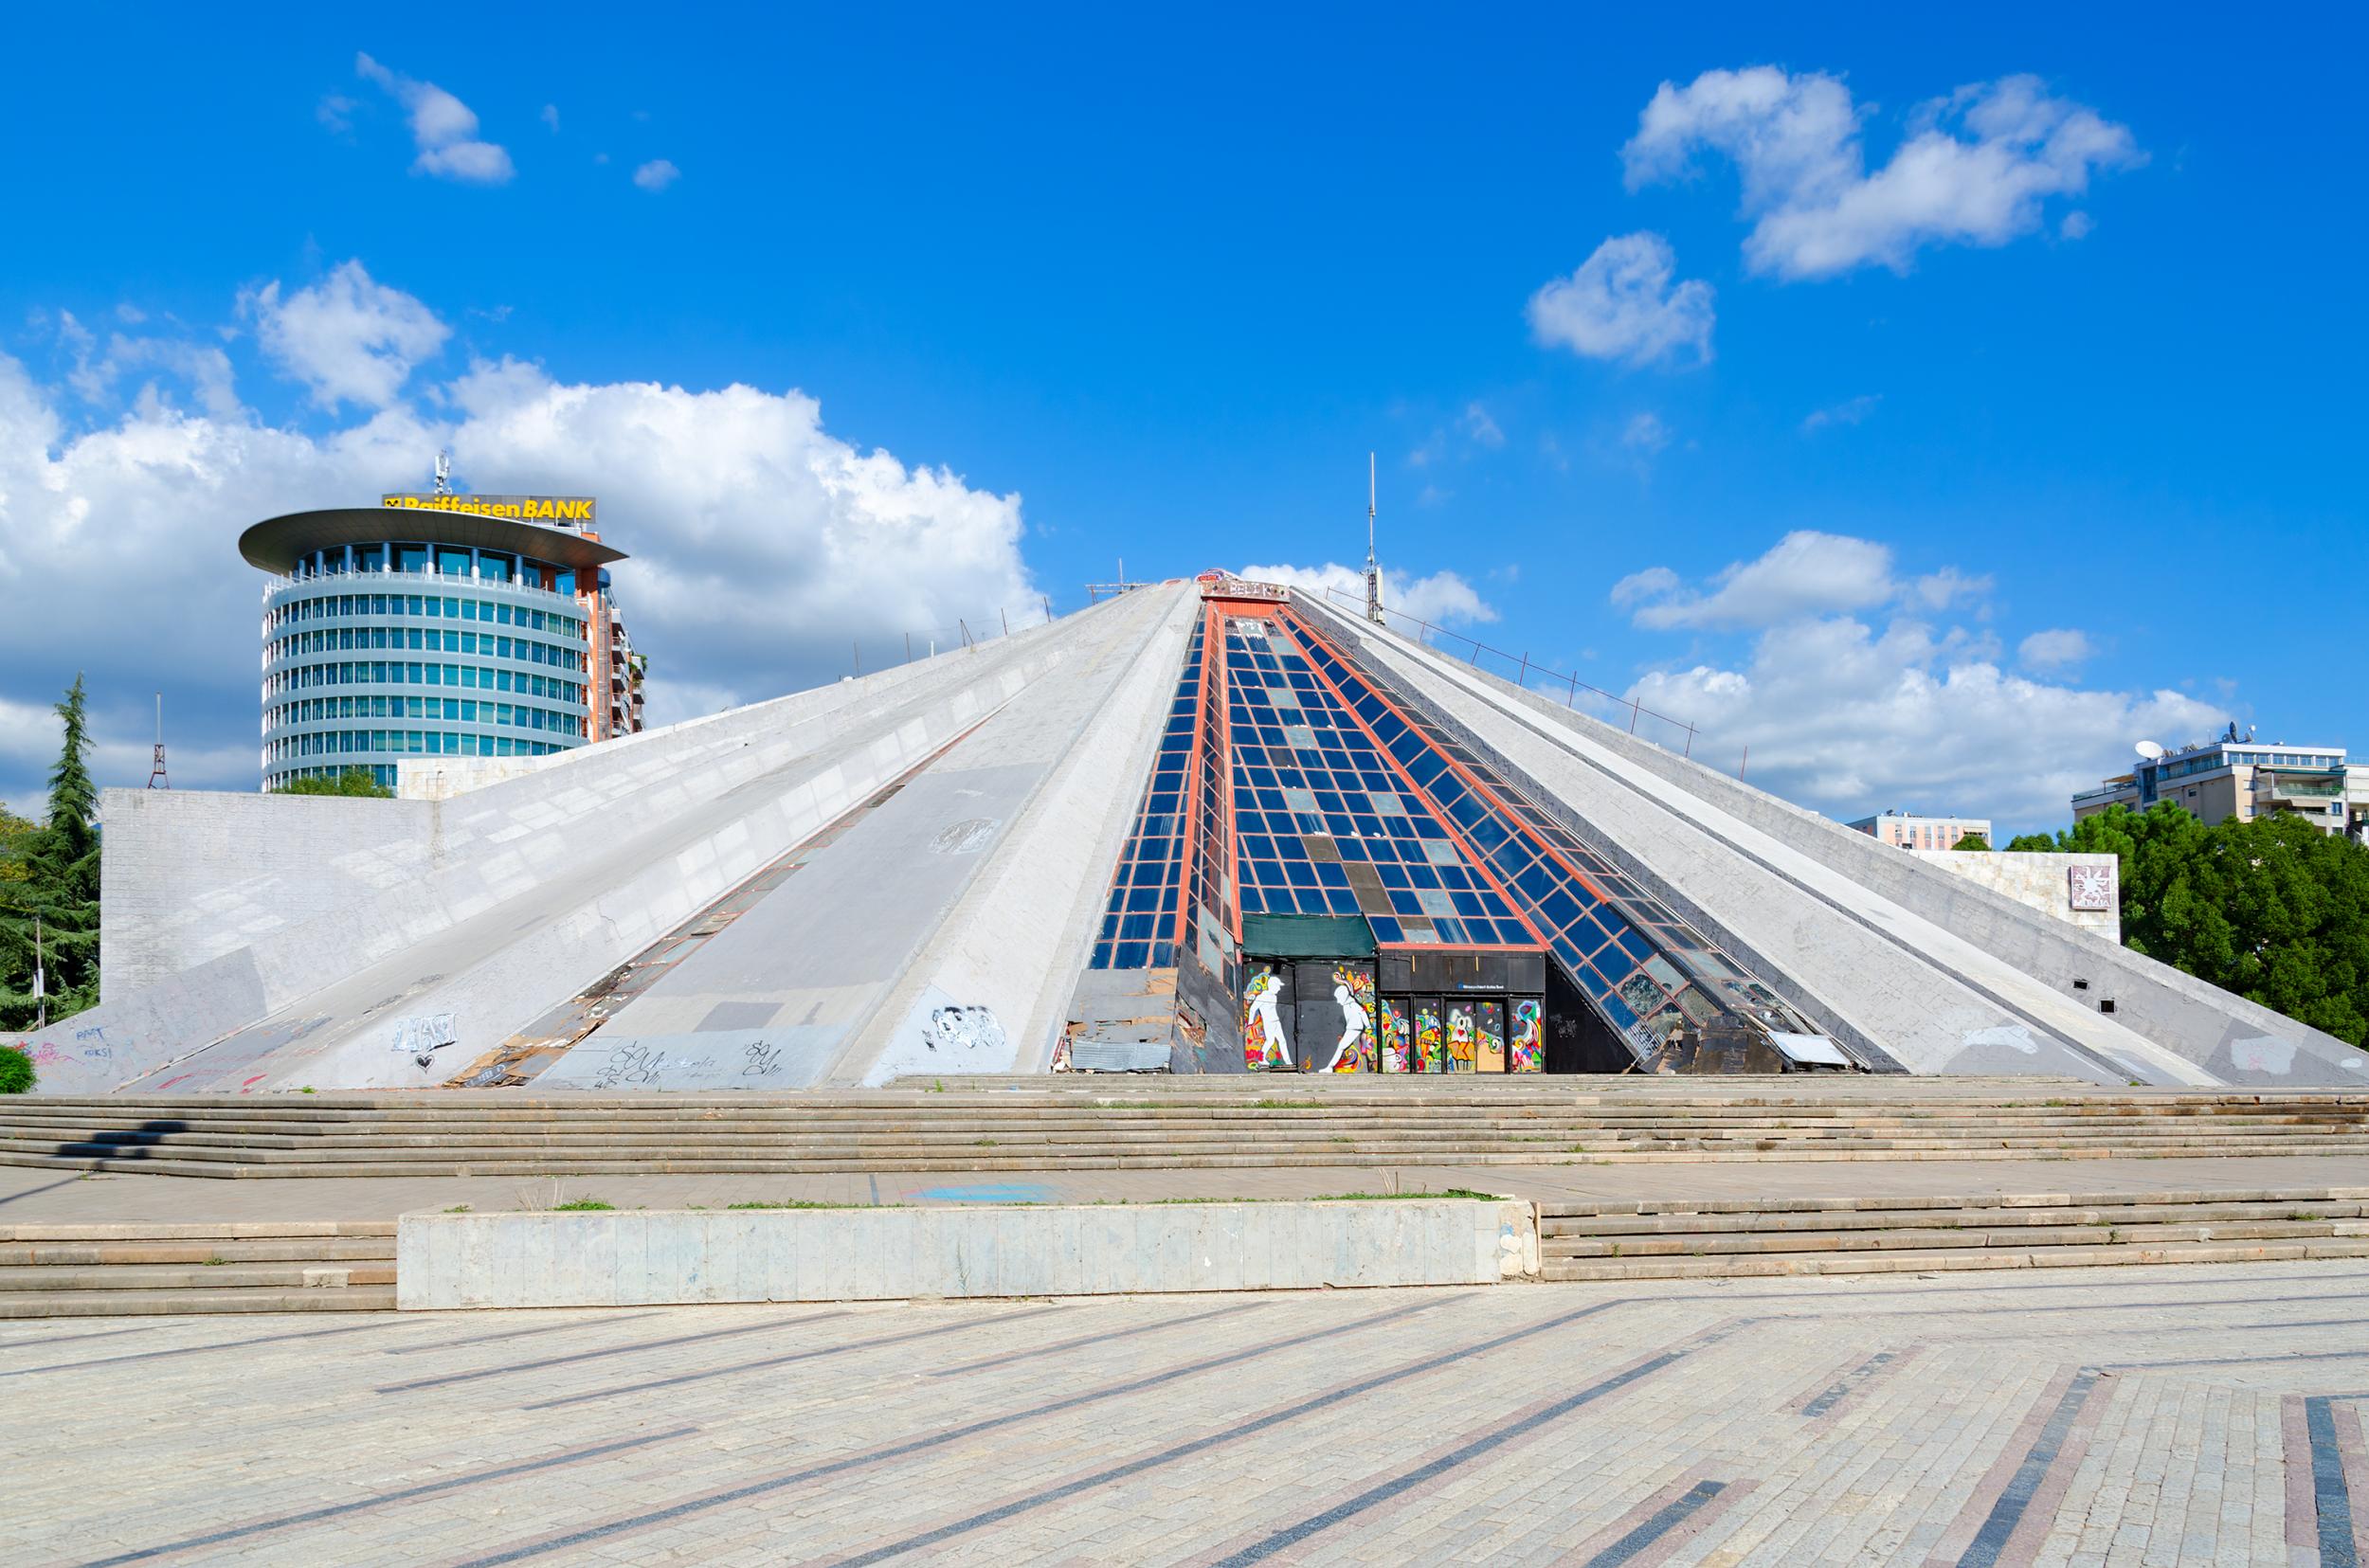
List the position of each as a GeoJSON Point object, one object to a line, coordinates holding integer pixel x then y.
{"type": "Point", "coordinates": [444, 473]}
{"type": "Point", "coordinates": [1373, 572]}
{"type": "Point", "coordinates": [157, 770]}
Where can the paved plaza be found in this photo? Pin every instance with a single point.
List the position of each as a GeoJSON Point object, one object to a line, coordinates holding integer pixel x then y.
{"type": "Point", "coordinates": [2126, 1416]}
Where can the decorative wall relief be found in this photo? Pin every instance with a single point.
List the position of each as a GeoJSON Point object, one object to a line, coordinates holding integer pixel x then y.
{"type": "Point", "coordinates": [1431, 1053]}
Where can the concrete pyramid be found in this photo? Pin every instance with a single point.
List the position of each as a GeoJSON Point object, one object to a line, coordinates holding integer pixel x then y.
{"type": "Point", "coordinates": [1212, 825]}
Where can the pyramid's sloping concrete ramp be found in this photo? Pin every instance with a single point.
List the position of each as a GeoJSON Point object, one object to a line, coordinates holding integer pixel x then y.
{"type": "Point", "coordinates": [1047, 844]}
{"type": "Point", "coordinates": [382, 943]}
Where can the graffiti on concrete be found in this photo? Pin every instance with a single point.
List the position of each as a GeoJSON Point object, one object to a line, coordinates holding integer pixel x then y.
{"type": "Point", "coordinates": [634, 1064]}
{"type": "Point", "coordinates": [764, 1060]}
{"type": "Point", "coordinates": [421, 1037]}
{"type": "Point", "coordinates": [965, 837]}
{"type": "Point", "coordinates": [961, 1031]}
{"type": "Point", "coordinates": [1354, 992]}
{"type": "Point", "coordinates": [1265, 1044]}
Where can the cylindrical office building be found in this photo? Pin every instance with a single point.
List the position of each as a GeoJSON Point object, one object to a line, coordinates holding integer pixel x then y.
{"type": "Point", "coordinates": [437, 626]}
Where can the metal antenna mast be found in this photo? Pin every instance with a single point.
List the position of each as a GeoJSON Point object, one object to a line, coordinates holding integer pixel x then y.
{"type": "Point", "coordinates": [444, 473]}
{"type": "Point", "coordinates": [1373, 572]}
{"type": "Point", "coordinates": [157, 770]}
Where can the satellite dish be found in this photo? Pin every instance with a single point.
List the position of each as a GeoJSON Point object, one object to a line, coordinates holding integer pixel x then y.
{"type": "Point", "coordinates": [2148, 749]}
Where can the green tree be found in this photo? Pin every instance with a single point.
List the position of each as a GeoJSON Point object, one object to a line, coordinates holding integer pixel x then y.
{"type": "Point", "coordinates": [2274, 909]}
{"type": "Point", "coordinates": [358, 781]}
{"type": "Point", "coordinates": [2024, 843]}
{"type": "Point", "coordinates": [55, 900]}
{"type": "Point", "coordinates": [1973, 841]}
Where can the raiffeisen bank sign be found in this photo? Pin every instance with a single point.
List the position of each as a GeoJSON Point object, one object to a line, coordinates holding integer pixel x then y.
{"type": "Point", "coordinates": [564, 511]}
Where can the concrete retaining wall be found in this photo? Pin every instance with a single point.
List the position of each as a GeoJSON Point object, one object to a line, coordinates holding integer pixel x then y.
{"type": "Point", "coordinates": [643, 1258]}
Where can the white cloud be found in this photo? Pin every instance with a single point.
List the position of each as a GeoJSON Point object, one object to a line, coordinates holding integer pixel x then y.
{"type": "Point", "coordinates": [1940, 589]}
{"type": "Point", "coordinates": [2056, 649]}
{"type": "Point", "coordinates": [1645, 433]}
{"type": "Point", "coordinates": [550, 117]}
{"type": "Point", "coordinates": [1804, 573]}
{"type": "Point", "coordinates": [1444, 597]}
{"type": "Point", "coordinates": [655, 175]}
{"type": "Point", "coordinates": [1850, 720]}
{"type": "Point", "coordinates": [1977, 167]}
{"type": "Point", "coordinates": [2076, 225]}
{"type": "Point", "coordinates": [347, 337]}
{"type": "Point", "coordinates": [335, 113]}
{"type": "Point", "coordinates": [1480, 427]}
{"type": "Point", "coordinates": [761, 544]}
{"type": "Point", "coordinates": [1624, 302]}
{"type": "Point", "coordinates": [1849, 411]}
{"type": "Point", "coordinates": [444, 128]}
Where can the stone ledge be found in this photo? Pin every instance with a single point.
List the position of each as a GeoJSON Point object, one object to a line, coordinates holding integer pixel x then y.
{"type": "Point", "coordinates": [644, 1257]}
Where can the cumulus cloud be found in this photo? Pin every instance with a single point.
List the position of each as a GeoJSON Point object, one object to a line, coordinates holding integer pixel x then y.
{"type": "Point", "coordinates": [1481, 427]}
{"type": "Point", "coordinates": [1851, 720]}
{"type": "Point", "coordinates": [1977, 168]}
{"type": "Point", "coordinates": [1625, 302]}
{"type": "Point", "coordinates": [1444, 597]}
{"type": "Point", "coordinates": [444, 128]}
{"type": "Point", "coordinates": [349, 338]}
{"type": "Point", "coordinates": [2059, 648]}
{"type": "Point", "coordinates": [655, 175]}
{"type": "Point", "coordinates": [1804, 573]}
{"type": "Point", "coordinates": [550, 117]}
{"type": "Point", "coordinates": [762, 544]}
{"type": "Point", "coordinates": [1849, 411]}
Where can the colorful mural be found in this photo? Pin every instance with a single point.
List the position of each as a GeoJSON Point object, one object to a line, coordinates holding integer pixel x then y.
{"type": "Point", "coordinates": [1431, 1055]}
{"type": "Point", "coordinates": [1489, 1028]}
{"type": "Point", "coordinates": [1264, 1042]}
{"type": "Point", "coordinates": [1529, 1036]}
{"type": "Point", "coordinates": [1460, 1038]}
{"type": "Point", "coordinates": [1395, 1058]}
{"type": "Point", "coordinates": [1354, 992]}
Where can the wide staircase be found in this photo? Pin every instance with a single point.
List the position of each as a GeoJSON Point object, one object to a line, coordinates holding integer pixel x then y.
{"type": "Point", "coordinates": [1683, 1239]}
{"type": "Point", "coordinates": [1091, 1124]}
{"type": "Point", "coordinates": [140, 1270]}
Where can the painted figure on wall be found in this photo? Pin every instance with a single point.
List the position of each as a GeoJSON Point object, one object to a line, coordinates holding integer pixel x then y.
{"type": "Point", "coordinates": [1461, 1037]}
{"type": "Point", "coordinates": [1430, 1053]}
{"type": "Point", "coordinates": [1529, 1036]}
{"type": "Point", "coordinates": [1394, 1037]}
{"type": "Point", "coordinates": [1264, 1044]}
{"type": "Point", "coordinates": [1353, 991]}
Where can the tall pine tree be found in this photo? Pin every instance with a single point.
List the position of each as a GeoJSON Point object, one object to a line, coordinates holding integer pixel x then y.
{"type": "Point", "coordinates": [53, 889]}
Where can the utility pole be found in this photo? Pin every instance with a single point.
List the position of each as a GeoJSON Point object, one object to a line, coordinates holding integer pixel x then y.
{"type": "Point", "coordinates": [1373, 572]}
{"type": "Point", "coordinates": [157, 770]}
{"type": "Point", "coordinates": [41, 983]}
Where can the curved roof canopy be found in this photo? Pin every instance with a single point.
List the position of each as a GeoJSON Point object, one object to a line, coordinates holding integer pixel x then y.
{"type": "Point", "coordinates": [277, 543]}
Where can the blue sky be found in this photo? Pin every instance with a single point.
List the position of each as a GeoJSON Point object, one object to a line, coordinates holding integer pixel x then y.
{"type": "Point", "coordinates": [1933, 431]}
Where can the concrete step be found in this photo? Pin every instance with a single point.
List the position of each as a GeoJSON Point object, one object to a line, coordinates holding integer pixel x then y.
{"type": "Point", "coordinates": [1945, 1238]}
{"type": "Point", "coordinates": [1556, 1228]}
{"type": "Point", "coordinates": [1940, 1261]}
{"type": "Point", "coordinates": [106, 1304]}
{"type": "Point", "coordinates": [299, 1275]}
{"type": "Point", "coordinates": [96, 1253]}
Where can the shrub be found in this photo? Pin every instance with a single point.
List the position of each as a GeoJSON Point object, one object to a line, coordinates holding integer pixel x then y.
{"type": "Point", "coordinates": [16, 1070]}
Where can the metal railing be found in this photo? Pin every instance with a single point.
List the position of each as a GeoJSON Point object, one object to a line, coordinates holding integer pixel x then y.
{"type": "Point", "coordinates": [1533, 676]}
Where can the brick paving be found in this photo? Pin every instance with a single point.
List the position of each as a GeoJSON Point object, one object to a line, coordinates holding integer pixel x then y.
{"type": "Point", "coordinates": [2204, 1414]}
